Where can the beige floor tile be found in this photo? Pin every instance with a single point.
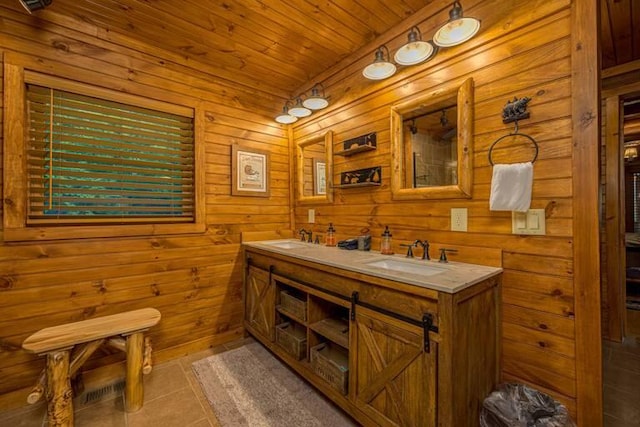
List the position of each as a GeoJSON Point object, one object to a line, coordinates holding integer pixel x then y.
{"type": "Point", "coordinates": [202, 399]}
{"type": "Point", "coordinates": [188, 360]}
{"type": "Point", "coordinates": [178, 409]}
{"type": "Point", "coordinates": [164, 379]}
{"type": "Point", "coordinates": [28, 416]}
{"type": "Point", "coordinates": [201, 423]}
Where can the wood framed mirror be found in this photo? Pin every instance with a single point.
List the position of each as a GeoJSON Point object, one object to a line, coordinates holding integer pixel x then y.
{"type": "Point", "coordinates": [314, 166]}
{"type": "Point", "coordinates": [431, 144]}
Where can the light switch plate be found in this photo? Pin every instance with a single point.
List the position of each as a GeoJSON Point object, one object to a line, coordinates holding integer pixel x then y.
{"type": "Point", "coordinates": [530, 222]}
{"type": "Point", "coordinates": [458, 219]}
{"type": "Point", "coordinates": [312, 216]}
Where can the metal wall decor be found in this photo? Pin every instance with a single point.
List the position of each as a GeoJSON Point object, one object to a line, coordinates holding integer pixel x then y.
{"type": "Point", "coordinates": [512, 112]}
{"type": "Point", "coordinates": [361, 177]}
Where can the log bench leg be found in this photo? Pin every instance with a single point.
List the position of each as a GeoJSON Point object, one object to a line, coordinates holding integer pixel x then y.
{"type": "Point", "coordinates": [134, 391]}
{"type": "Point", "coordinates": [59, 393]}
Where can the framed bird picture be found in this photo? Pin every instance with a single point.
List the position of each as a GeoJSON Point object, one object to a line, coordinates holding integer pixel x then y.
{"type": "Point", "coordinates": [249, 172]}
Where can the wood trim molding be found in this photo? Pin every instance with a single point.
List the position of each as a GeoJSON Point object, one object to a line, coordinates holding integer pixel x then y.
{"type": "Point", "coordinates": [614, 200]}
{"type": "Point", "coordinates": [621, 69]}
{"type": "Point", "coordinates": [585, 105]}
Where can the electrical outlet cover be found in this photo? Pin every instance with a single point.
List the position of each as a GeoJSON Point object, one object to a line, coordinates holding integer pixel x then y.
{"type": "Point", "coordinates": [312, 216]}
{"type": "Point", "coordinates": [458, 219]}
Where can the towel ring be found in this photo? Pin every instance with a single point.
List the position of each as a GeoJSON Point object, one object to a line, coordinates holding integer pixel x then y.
{"type": "Point", "coordinates": [516, 133]}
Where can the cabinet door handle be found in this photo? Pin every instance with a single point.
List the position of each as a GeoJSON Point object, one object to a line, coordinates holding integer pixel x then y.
{"type": "Point", "coordinates": [354, 302]}
{"type": "Point", "coordinates": [427, 323]}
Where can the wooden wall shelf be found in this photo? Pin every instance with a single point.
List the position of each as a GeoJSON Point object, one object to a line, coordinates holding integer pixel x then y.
{"type": "Point", "coordinates": [359, 144]}
{"type": "Point", "coordinates": [359, 184]}
{"type": "Point", "coordinates": [352, 151]}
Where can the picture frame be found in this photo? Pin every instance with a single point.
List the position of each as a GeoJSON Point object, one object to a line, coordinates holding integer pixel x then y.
{"type": "Point", "coordinates": [249, 172]}
{"type": "Point", "coordinates": [319, 177]}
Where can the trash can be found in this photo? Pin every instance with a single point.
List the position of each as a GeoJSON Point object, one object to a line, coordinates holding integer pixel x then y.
{"type": "Point", "coordinates": [517, 405]}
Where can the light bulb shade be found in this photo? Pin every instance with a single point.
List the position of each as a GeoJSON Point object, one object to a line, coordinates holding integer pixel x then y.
{"type": "Point", "coordinates": [33, 5]}
{"type": "Point", "coordinates": [299, 110]}
{"type": "Point", "coordinates": [315, 101]}
{"type": "Point", "coordinates": [380, 68]}
{"type": "Point", "coordinates": [285, 118]}
{"type": "Point", "coordinates": [457, 30]}
{"type": "Point", "coordinates": [414, 53]}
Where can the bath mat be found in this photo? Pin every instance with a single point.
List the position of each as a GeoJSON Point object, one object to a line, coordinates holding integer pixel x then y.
{"type": "Point", "coordinates": [248, 386]}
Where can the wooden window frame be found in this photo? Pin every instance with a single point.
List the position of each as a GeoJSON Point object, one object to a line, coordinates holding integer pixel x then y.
{"type": "Point", "coordinates": [15, 190]}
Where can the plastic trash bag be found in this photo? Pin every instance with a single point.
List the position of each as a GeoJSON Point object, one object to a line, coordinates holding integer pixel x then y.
{"type": "Point", "coordinates": [516, 405]}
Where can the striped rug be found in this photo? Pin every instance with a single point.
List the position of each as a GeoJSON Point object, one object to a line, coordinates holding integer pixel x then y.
{"type": "Point", "coordinates": [249, 387]}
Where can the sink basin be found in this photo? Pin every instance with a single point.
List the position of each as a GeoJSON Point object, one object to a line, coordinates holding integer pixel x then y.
{"type": "Point", "coordinates": [287, 244]}
{"type": "Point", "coordinates": [406, 267]}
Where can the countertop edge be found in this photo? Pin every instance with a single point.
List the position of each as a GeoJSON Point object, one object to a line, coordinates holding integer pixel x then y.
{"type": "Point", "coordinates": [379, 273]}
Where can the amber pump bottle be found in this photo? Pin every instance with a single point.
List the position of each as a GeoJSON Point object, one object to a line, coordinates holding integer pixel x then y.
{"type": "Point", "coordinates": [385, 243]}
{"type": "Point", "coordinates": [330, 239]}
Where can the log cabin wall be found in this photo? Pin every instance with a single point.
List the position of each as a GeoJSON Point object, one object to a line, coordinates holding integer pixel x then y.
{"type": "Point", "coordinates": [193, 279]}
{"type": "Point", "coordinates": [523, 49]}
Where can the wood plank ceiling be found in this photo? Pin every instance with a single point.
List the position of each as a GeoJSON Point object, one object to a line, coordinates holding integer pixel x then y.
{"type": "Point", "coordinates": [620, 31]}
{"type": "Point", "coordinates": [273, 47]}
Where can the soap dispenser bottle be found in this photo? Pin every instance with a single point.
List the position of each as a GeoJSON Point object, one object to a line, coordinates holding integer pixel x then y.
{"type": "Point", "coordinates": [330, 239]}
{"type": "Point", "coordinates": [385, 243]}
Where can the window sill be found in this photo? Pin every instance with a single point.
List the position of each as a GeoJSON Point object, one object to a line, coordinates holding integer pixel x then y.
{"type": "Point", "coordinates": [93, 232]}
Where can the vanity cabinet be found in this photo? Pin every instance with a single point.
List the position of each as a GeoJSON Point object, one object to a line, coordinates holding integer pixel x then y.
{"type": "Point", "coordinates": [403, 355]}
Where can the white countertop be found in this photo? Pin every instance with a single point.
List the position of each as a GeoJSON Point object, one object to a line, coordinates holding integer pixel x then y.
{"type": "Point", "coordinates": [448, 277]}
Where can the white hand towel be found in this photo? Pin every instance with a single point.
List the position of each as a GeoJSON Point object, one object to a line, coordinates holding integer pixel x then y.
{"type": "Point", "coordinates": [511, 187]}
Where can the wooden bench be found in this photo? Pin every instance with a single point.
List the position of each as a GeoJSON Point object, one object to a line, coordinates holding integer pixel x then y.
{"type": "Point", "coordinates": [123, 331]}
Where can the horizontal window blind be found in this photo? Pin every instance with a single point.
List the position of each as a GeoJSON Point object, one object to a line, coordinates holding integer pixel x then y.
{"type": "Point", "coordinates": [92, 160]}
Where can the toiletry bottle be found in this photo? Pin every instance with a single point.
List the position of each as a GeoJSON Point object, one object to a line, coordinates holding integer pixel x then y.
{"type": "Point", "coordinates": [385, 243]}
{"type": "Point", "coordinates": [330, 239]}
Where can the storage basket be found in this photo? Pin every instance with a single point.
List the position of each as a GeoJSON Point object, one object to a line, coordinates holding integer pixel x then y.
{"type": "Point", "coordinates": [332, 364]}
{"type": "Point", "coordinates": [293, 305]}
{"type": "Point", "coordinates": [292, 338]}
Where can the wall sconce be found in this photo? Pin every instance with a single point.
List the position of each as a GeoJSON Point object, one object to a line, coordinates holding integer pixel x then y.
{"type": "Point", "coordinates": [631, 153]}
{"type": "Point", "coordinates": [285, 118]}
{"type": "Point", "coordinates": [33, 5]}
{"type": "Point", "coordinates": [315, 101]}
{"type": "Point", "coordinates": [457, 30]}
{"type": "Point", "coordinates": [415, 50]}
{"type": "Point", "coordinates": [380, 68]}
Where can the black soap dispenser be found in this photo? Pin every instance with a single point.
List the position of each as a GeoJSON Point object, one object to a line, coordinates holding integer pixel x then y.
{"type": "Point", "coordinates": [385, 243]}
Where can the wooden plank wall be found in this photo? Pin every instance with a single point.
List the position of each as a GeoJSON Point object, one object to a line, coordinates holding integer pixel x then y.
{"type": "Point", "coordinates": [194, 280]}
{"type": "Point", "coordinates": [523, 50]}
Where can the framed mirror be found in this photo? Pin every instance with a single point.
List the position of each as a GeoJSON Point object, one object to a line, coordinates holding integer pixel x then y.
{"type": "Point", "coordinates": [431, 144]}
{"type": "Point", "coordinates": [314, 165]}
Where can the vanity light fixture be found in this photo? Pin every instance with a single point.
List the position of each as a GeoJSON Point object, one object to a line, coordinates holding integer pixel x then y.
{"type": "Point", "coordinates": [315, 101]}
{"type": "Point", "coordinates": [286, 118]}
{"type": "Point", "coordinates": [631, 153]}
{"type": "Point", "coordinates": [380, 68]}
{"type": "Point", "coordinates": [415, 50]}
{"type": "Point", "coordinates": [457, 30]}
{"type": "Point", "coordinates": [299, 110]}
{"type": "Point", "coordinates": [33, 5]}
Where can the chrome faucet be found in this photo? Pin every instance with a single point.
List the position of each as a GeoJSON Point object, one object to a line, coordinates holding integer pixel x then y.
{"type": "Point", "coordinates": [425, 248]}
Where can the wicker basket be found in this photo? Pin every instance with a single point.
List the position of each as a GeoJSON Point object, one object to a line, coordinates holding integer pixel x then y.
{"type": "Point", "coordinates": [332, 364]}
{"type": "Point", "coordinates": [292, 338]}
{"type": "Point", "coordinates": [293, 305]}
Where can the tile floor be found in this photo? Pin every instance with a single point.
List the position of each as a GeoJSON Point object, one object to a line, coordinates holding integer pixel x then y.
{"type": "Point", "coordinates": [621, 380]}
{"type": "Point", "coordinates": [172, 398]}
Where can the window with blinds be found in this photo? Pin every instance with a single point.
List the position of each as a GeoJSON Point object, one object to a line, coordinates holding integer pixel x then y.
{"type": "Point", "coordinates": [92, 160]}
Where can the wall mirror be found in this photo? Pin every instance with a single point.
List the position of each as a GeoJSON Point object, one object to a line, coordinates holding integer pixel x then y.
{"type": "Point", "coordinates": [431, 144]}
{"type": "Point", "coordinates": [314, 161]}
